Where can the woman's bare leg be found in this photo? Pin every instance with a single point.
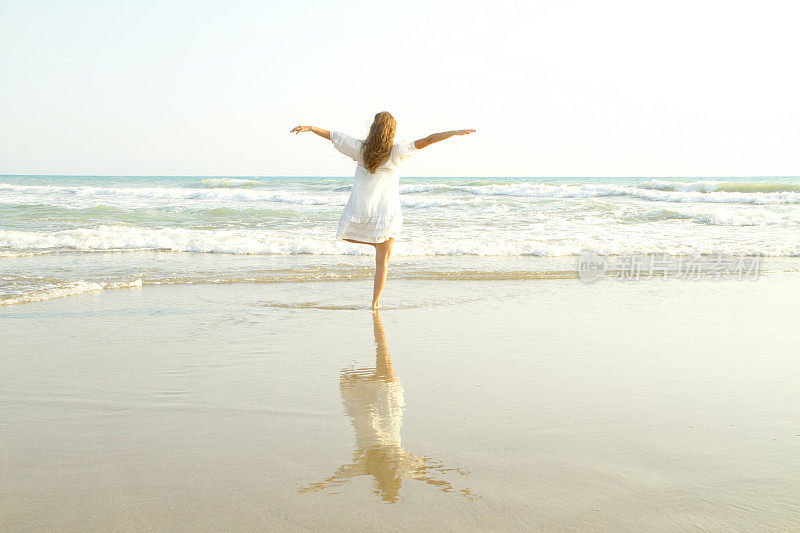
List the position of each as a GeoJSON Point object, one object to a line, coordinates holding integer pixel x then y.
{"type": "Point", "coordinates": [382, 253]}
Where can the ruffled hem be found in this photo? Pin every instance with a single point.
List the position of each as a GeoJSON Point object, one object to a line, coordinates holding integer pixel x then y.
{"type": "Point", "coordinates": [370, 229]}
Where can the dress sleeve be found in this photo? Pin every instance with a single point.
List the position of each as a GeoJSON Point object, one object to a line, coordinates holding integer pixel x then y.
{"type": "Point", "coordinates": [347, 145]}
{"type": "Point", "coordinates": [404, 150]}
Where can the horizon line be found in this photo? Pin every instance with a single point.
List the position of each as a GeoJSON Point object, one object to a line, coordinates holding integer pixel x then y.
{"type": "Point", "coordinates": [401, 177]}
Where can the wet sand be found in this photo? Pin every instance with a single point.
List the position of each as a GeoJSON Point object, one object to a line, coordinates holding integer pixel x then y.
{"type": "Point", "coordinates": [545, 404]}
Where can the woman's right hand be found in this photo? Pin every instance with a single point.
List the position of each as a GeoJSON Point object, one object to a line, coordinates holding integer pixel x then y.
{"type": "Point", "coordinates": [325, 134]}
{"type": "Point", "coordinates": [463, 132]}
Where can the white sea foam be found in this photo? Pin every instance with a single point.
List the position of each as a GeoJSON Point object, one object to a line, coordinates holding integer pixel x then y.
{"type": "Point", "coordinates": [732, 219]}
{"type": "Point", "coordinates": [682, 186]}
{"type": "Point", "coordinates": [177, 193]}
{"type": "Point", "coordinates": [82, 197]}
{"type": "Point", "coordinates": [67, 289]}
{"type": "Point", "coordinates": [540, 190]}
{"type": "Point", "coordinates": [17, 253]}
{"type": "Point", "coordinates": [267, 242]}
{"type": "Point", "coordinates": [426, 201]}
{"type": "Point", "coordinates": [704, 191]}
{"type": "Point", "coordinates": [108, 238]}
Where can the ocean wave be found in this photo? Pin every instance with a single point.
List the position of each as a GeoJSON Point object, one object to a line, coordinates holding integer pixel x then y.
{"type": "Point", "coordinates": [229, 182]}
{"type": "Point", "coordinates": [11, 254]}
{"type": "Point", "coordinates": [657, 215]}
{"type": "Point", "coordinates": [266, 242]}
{"type": "Point", "coordinates": [722, 186]}
{"type": "Point", "coordinates": [66, 289]}
{"type": "Point", "coordinates": [704, 191]}
{"type": "Point", "coordinates": [728, 219]}
{"type": "Point", "coordinates": [720, 217]}
{"type": "Point", "coordinates": [87, 197]}
{"type": "Point", "coordinates": [426, 202]}
{"type": "Point", "coordinates": [683, 186]}
{"type": "Point", "coordinates": [175, 193]}
{"type": "Point", "coordinates": [541, 190]}
{"type": "Point", "coordinates": [251, 208]}
{"type": "Point", "coordinates": [120, 238]}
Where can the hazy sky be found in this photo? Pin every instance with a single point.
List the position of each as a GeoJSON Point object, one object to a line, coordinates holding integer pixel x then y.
{"type": "Point", "coordinates": [555, 88]}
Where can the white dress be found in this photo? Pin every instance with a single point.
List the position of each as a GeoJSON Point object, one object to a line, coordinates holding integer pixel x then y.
{"type": "Point", "coordinates": [372, 213]}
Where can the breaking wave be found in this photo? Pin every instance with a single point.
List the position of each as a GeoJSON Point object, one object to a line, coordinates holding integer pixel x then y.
{"type": "Point", "coordinates": [267, 242]}
{"type": "Point", "coordinates": [235, 190]}
{"type": "Point", "coordinates": [66, 289]}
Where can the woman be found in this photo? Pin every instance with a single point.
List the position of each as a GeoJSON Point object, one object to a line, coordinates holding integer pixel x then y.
{"type": "Point", "coordinates": [372, 215]}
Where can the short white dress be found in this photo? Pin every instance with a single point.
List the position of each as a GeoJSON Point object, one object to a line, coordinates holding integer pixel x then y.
{"type": "Point", "coordinates": [372, 213]}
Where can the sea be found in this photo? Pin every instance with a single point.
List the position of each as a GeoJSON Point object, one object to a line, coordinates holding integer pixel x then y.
{"type": "Point", "coordinates": [67, 235]}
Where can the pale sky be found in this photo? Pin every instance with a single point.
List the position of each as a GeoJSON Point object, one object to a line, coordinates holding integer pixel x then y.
{"type": "Point", "coordinates": [554, 88]}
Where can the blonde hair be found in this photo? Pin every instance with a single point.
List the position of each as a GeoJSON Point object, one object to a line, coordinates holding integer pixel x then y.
{"type": "Point", "coordinates": [378, 146]}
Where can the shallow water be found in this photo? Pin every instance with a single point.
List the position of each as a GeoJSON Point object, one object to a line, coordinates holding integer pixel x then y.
{"type": "Point", "coordinates": [66, 235]}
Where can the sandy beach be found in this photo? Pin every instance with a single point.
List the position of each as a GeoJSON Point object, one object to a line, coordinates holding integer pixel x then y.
{"type": "Point", "coordinates": [546, 404]}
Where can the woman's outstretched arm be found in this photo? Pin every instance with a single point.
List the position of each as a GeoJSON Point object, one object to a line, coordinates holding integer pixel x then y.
{"type": "Point", "coordinates": [325, 134]}
{"type": "Point", "coordinates": [436, 137]}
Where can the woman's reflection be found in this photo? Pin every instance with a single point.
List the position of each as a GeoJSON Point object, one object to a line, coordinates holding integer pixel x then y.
{"type": "Point", "coordinates": [373, 399]}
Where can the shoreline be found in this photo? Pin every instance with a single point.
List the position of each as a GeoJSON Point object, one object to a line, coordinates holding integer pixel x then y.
{"type": "Point", "coordinates": [81, 273]}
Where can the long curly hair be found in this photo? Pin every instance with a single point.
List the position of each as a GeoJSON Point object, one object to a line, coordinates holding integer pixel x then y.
{"type": "Point", "coordinates": [378, 146]}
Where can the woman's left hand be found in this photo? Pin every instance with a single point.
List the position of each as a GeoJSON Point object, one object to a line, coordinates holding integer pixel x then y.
{"type": "Point", "coordinates": [300, 129]}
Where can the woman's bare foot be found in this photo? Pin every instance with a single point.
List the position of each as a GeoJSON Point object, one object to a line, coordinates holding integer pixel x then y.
{"type": "Point", "coordinates": [376, 306]}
